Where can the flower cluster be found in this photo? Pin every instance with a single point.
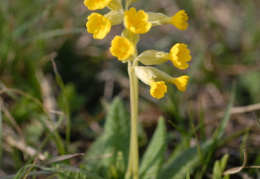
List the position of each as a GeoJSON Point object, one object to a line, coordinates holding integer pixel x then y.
{"type": "Point", "coordinates": [124, 47]}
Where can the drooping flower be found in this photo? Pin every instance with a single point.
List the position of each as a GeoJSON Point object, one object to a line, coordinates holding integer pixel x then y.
{"type": "Point", "coordinates": [179, 20]}
{"type": "Point", "coordinates": [158, 89]}
{"type": "Point", "coordinates": [154, 78]}
{"type": "Point", "coordinates": [98, 25]}
{"type": "Point", "coordinates": [137, 22]}
{"type": "Point", "coordinates": [96, 4]}
{"type": "Point", "coordinates": [180, 55]}
{"type": "Point", "coordinates": [180, 82]}
{"type": "Point", "coordinates": [121, 48]}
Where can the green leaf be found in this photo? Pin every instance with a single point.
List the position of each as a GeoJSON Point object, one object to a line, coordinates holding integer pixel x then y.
{"type": "Point", "coordinates": [154, 154]}
{"type": "Point", "coordinates": [220, 130]}
{"type": "Point", "coordinates": [223, 162]}
{"type": "Point", "coordinates": [176, 168]}
{"type": "Point", "coordinates": [188, 173]}
{"type": "Point", "coordinates": [219, 167]}
{"type": "Point", "coordinates": [217, 170]}
{"type": "Point", "coordinates": [114, 139]}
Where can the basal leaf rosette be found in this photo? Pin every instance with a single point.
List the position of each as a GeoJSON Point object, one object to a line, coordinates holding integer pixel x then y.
{"type": "Point", "coordinates": [121, 48]}
{"type": "Point", "coordinates": [136, 22]}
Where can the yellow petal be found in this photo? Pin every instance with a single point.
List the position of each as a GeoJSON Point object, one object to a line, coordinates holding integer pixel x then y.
{"type": "Point", "coordinates": [181, 82]}
{"type": "Point", "coordinates": [179, 20]}
{"type": "Point", "coordinates": [158, 89]}
{"type": "Point", "coordinates": [96, 4]}
{"type": "Point", "coordinates": [121, 48]}
{"type": "Point", "coordinates": [98, 25]}
{"type": "Point", "coordinates": [137, 22]}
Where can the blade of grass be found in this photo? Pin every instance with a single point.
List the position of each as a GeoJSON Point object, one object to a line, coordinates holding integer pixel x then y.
{"type": "Point", "coordinates": [65, 105]}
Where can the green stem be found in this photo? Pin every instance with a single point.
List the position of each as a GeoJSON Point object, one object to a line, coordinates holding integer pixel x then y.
{"type": "Point", "coordinates": [133, 160]}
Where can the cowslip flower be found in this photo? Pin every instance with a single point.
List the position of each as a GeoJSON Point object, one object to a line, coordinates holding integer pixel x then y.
{"type": "Point", "coordinates": [154, 78]}
{"type": "Point", "coordinates": [180, 82]}
{"type": "Point", "coordinates": [98, 25]}
{"type": "Point", "coordinates": [180, 55]}
{"type": "Point", "coordinates": [158, 89]}
{"type": "Point", "coordinates": [121, 48]}
{"type": "Point", "coordinates": [157, 78]}
{"type": "Point", "coordinates": [136, 22]}
{"type": "Point", "coordinates": [179, 20]}
{"type": "Point", "coordinates": [96, 4]}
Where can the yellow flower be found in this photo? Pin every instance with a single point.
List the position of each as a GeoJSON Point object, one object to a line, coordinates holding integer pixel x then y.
{"type": "Point", "coordinates": [98, 25]}
{"type": "Point", "coordinates": [96, 4]}
{"type": "Point", "coordinates": [158, 89]}
{"type": "Point", "coordinates": [121, 48]}
{"type": "Point", "coordinates": [179, 20]}
{"type": "Point", "coordinates": [180, 55]}
{"type": "Point", "coordinates": [180, 82]}
{"type": "Point", "coordinates": [137, 22]}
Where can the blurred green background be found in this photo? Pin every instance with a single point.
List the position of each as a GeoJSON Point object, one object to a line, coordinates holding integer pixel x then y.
{"type": "Point", "coordinates": [51, 68]}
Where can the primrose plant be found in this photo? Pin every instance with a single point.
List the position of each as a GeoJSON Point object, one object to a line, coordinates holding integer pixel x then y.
{"type": "Point", "coordinates": [124, 47]}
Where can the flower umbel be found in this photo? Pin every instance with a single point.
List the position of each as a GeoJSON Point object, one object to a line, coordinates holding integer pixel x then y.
{"type": "Point", "coordinates": [96, 4]}
{"type": "Point", "coordinates": [179, 20]}
{"type": "Point", "coordinates": [137, 22]}
{"type": "Point", "coordinates": [121, 48]}
{"type": "Point", "coordinates": [180, 55]}
{"type": "Point", "coordinates": [181, 82]}
{"type": "Point", "coordinates": [158, 89]}
{"type": "Point", "coordinates": [98, 25]}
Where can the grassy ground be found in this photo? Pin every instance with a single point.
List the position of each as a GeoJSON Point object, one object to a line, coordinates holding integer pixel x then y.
{"type": "Point", "coordinates": [56, 82]}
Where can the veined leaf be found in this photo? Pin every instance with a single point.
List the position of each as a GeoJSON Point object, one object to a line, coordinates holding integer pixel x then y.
{"type": "Point", "coordinates": [115, 138]}
{"type": "Point", "coordinates": [154, 154]}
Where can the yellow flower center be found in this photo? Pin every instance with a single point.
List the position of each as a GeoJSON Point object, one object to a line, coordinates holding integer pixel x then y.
{"type": "Point", "coordinates": [121, 48]}
{"type": "Point", "coordinates": [98, 25]}
{"type": "Point", "coordinates": [158, 89]}
{"type": "Point", "coordinates": [137, 22]}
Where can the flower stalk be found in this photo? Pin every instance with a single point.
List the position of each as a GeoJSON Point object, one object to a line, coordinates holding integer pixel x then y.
{"type": "Point", "coordinates": [133, 159]}
{"type": "Point", "coordinates": [124, 47]}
